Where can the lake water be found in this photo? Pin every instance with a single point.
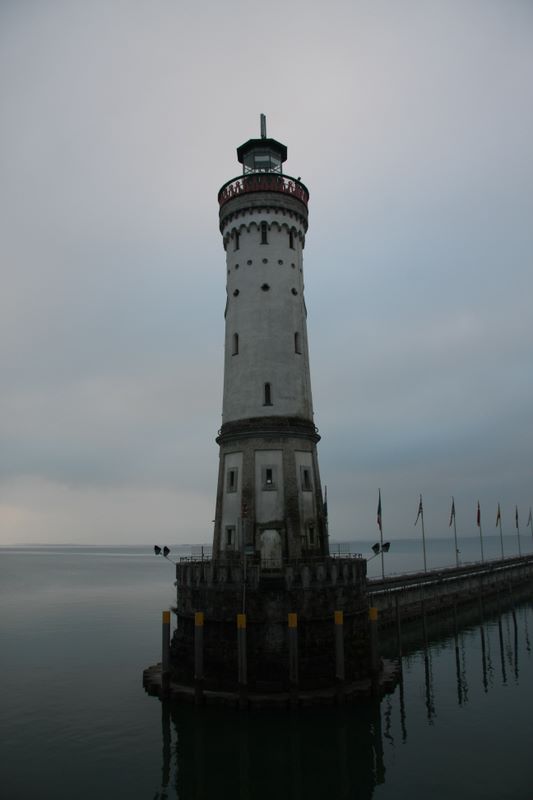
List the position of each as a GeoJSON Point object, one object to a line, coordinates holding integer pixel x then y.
{"type": "Point", "coordinates": [79, 624]}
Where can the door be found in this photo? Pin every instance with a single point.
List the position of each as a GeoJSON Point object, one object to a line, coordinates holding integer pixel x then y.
{"type": "Point", "coordinates": [271, 549]}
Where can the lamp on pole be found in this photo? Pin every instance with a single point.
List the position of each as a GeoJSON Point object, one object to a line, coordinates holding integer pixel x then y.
{"type": "Point", "coordinates": [379, 549]}
{"type": "Point", "coordinates": [163, 552]}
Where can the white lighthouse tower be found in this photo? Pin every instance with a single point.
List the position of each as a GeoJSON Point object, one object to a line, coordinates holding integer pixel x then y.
{"type": "Point", "coordinates": [271, 612]}
{"type": "Point", "coordinates": [269, 498]}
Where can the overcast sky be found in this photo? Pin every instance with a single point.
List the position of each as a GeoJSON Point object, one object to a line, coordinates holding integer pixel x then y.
{"type": "Point", "coordinates": [411, 123]}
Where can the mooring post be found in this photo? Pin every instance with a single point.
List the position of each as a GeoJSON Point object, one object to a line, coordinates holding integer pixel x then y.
{"type": "Point", "coordinates": [292, 620]}
{"type": "Point", "coordinates": [374, 649]}
{"type": "Point", "coordinates": [198, 656]}
{"type": "Point", "coordinates": [242, 665]}
{"type": "Point", "coordinates": [339, 654]}
{"type": "Point", "coordinates": [165, 654]}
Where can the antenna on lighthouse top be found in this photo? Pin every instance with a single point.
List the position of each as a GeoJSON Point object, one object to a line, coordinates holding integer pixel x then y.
{"type": "Point", "coordinates": [263, 126]}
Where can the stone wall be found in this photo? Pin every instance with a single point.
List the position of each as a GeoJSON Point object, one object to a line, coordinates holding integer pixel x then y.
{"type": "Point", "coordinates": [312, 590]}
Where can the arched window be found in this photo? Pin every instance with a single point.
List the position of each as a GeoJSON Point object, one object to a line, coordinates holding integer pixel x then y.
{"type": "Point", "coordinates": [268, 395]}
{"type": "Point", "coordinates": [235, 350]}
{"type": "Point", "coordinates": [264, 233]}
{"type": "Point", "coordinates": [297, 345]}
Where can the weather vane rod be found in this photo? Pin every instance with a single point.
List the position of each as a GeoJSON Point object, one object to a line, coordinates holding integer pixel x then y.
{"type": "Point", "coordinates": [263, 126]}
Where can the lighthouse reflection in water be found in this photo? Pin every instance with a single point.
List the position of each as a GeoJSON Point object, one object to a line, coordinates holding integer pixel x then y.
{"type": "Point", "coordinates": [446, 728]}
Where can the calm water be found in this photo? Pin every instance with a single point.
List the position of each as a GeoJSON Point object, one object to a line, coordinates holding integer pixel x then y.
{"type": "Point", "coordinates": [77, 626]}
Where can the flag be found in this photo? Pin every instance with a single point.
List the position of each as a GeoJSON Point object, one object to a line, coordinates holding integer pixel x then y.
{"type": "Point", "coordinates": [530, 520]}
{"type": "Point", "coordinates": [478, 515]}
{"type": "Point", "coordinates": [516, 517]}
{"type": "Point", "coordinates": [452, 513]}
{"type": "Point", "coordinates": [498, 516]}
{"type": "Point", "coordinates": [420, 511]}
{"type": "Point", "coordinates": [379, 509]}
{"type": "Point", "coordinates": [325, 501]}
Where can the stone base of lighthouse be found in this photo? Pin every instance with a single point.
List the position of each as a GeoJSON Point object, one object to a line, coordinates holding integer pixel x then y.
{"type": "Point", "coordinates": [313, 590]}
{"type": "Point", "coordinates": [269, 497]}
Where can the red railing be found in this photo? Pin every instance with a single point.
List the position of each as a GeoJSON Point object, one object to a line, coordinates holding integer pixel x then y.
{"type": "Point", "coordinates": [263, 182]}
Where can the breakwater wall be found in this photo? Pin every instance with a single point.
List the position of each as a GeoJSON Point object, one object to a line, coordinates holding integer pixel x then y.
{"type": "Point", "coordinates": [412, 596]}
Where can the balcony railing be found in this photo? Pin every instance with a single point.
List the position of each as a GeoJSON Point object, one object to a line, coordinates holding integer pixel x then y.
{"type": "Point", "coordinates": [235, 558]}
{"type": "Point", "coordinates": [263, 182]}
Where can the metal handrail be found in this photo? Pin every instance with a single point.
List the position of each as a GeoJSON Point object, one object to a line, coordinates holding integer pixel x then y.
{"type": "Point", "coordinates": [255, 561]}
{"type": "Point", "coordinates": [263, 182]}
{"type": "Point", "coordinates": [446, 573]}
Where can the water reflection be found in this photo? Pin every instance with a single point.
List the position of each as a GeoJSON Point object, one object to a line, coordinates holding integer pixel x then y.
{"type": "Point", "coordinates": [343, 753]}
{"type": "Point", "coordinates": [211, 753]}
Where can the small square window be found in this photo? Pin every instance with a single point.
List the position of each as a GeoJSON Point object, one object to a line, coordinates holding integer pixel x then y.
{"type": "Point", "coordinates": [231, 479]}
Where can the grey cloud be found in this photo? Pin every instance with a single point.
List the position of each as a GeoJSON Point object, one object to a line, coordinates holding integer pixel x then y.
{"type": "Point", "coordinates": [411, 126]}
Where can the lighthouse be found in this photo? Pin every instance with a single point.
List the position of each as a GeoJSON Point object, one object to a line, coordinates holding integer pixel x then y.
{"type": "Point", "coordinates": [272, 611]}
{"type": "Point", "coordinates": [269, 497]}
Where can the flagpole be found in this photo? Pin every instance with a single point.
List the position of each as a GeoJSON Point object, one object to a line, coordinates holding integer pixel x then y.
{"type": "Point", "coordinates": [421, 514]}
{"type": "Point", "coordinates": [452, 517]}
{"type": "Point", "coordinates": [326, 520]}
{"type": "Point", "coordinates": [423, 535]}
{"type": "Point", "coordinates": [382, 556]}
{"type": "Point", "coordinates": [518, 531]}
{"type": "Point", "coordinates": [499, 521]}
{"type": "Point", "coordinates": [455, 539]}
{"type": "Point", "coordinates": [380, 523]}
{"type": "Point", "coordinates": [480, 530]}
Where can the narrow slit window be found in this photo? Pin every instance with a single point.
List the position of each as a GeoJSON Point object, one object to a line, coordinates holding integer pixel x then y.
{"type": "Point", "coordinates": [269, 478]}
{"type": "Point", "coordinates": [231, 484]}
{"type": "Point", "coordinates": [297, 345]}
{"type": "Point", "coordinates": [291, 240]}
{"type": "Point", "coordinates": [264, 233]}
{"type": "Point", "coordinates": [268, 395]}
{"type": "Point", "coordinates": [235, 348]}
{"type": "Point", "coordinates": [236, 237]}
{"type": "Point", "coordinates": [311, 530]}
{"type": "Point", "coordinates": [230, 537]}
{"type": "Point", "coordinates": [306, 479]}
